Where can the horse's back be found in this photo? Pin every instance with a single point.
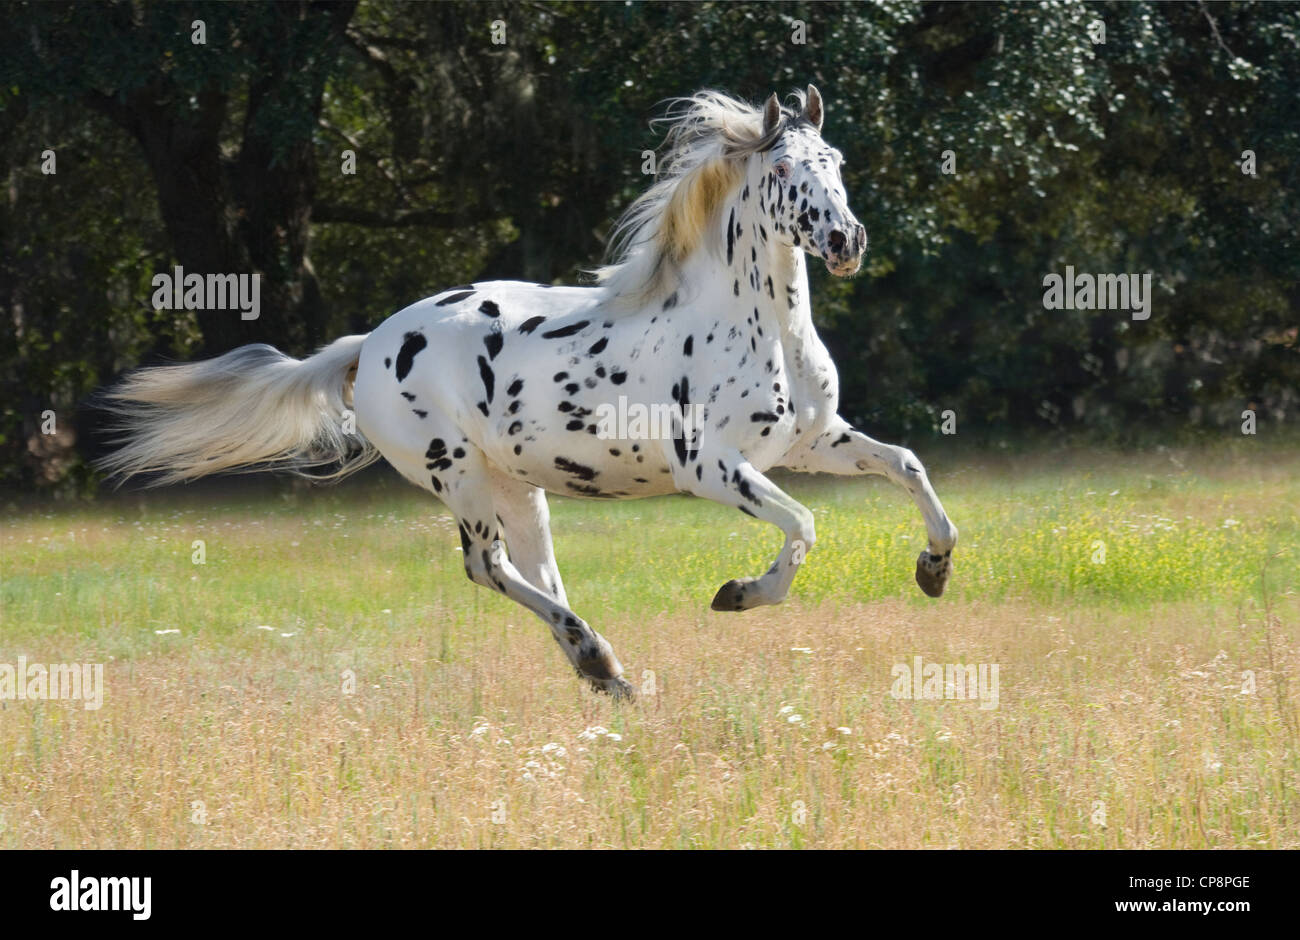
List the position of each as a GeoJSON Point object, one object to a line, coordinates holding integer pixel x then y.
{"type": "Point", "coordinates": [444, 328]}
{"type": "Point", "coordinates": [478, 364]}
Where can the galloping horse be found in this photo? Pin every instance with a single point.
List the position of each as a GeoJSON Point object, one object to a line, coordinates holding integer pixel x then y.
{"type": "Point", "coordinates": [487, 395]}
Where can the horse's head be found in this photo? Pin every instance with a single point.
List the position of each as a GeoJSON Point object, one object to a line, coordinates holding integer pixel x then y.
{"type": "Point", "coordinates": [803, 191]}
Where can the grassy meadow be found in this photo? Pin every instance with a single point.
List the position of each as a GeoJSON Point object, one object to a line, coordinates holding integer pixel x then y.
{"type": "Point", "coordinates": [329, 678]}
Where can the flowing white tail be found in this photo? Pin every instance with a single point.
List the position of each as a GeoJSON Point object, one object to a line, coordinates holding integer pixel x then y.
{"type": "Point", "coordinates": [253, 408]}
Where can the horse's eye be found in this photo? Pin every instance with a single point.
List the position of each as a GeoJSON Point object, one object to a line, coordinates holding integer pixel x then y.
{"type": "Point", "coordinates": [782, 169]}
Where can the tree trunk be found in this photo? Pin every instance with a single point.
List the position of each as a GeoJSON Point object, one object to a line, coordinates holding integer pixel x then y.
{"type": "Point", "coordinates": [250, 215]}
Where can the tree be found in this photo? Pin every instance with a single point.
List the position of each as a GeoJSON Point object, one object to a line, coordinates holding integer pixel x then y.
{"type": "Point", "coordinates": [223, 101]}
{"type": "Point", "coordinates": [398, 148]}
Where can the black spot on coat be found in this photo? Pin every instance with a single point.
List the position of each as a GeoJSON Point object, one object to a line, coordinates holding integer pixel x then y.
{"type": "Point", "coordinates": [489, 379]}
{"type": "Point", "coordinates": [578, 470]}
{"type": "Point", "coordinates": [567, 330]}
{"type": "Point", "coordinates": [682, 395]}
{"type": "Point", "coordinates": [455, 298]}
{"type": "Point", "coordinates": [412, 343]}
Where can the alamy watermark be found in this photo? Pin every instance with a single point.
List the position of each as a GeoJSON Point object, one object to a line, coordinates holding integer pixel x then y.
{"type": "Point", "coordinates": [1098, 292]}
{"type": "Point", "coordinates": [84, 893]}
{"type": "Point", "coordinates": [953, 681]}
{"type": "Point", "coordinates": [37, 682]}
{"type": "Point", "coordinates": [181, 291]}
{"type": "Point", "coordinates": [636, 421]}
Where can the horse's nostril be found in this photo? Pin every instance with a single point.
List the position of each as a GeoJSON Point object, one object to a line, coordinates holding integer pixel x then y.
{"type": "Point", "coordinates": [860, 237]}
{"type": "Point", "coordinates": [836, 241]}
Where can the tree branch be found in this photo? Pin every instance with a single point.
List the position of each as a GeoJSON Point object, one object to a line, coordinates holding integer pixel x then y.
{"type": "Point", "coordinates": [358, 148]}
{"type": "Point", "coordinates": [371, 54]}
{"type": "Point", "coordinates": [1214, 28]}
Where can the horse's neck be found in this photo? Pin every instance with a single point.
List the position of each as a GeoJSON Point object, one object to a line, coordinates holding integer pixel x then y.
{"type": "Point", "coordinates": [747, 242]}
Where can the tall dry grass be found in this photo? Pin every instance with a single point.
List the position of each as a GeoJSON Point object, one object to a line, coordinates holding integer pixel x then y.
{"type": "Point", "coordinates": [1153, 704]}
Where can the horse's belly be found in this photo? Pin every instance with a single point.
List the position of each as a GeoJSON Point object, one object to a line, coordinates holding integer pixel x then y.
{"type": "Point", "coordinates": [585, 465]}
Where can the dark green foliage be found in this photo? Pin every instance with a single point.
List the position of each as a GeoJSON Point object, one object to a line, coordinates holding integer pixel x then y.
{"type": "Point", "coordinates": [477, 160]}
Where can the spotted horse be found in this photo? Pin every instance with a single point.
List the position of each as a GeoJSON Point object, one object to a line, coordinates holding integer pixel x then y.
{"type": "Point", "coordinates": [490, 395]}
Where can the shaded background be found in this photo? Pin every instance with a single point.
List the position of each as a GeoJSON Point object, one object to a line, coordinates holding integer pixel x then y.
{"type": "Point", "coordinates": [477, 160]}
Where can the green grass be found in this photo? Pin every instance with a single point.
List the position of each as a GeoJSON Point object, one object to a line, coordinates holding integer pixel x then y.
{"type": "Point", "coordinates": [1195, 533]}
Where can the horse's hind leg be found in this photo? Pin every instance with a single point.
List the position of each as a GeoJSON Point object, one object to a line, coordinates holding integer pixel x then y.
{"type": "Point", "coordinates": [526, 519]}
{"type": "Point", "coordinates": [459, 473]}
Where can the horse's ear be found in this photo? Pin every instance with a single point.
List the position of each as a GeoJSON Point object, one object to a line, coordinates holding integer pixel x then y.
{"type": "Point", "coordinates": [813, 107]}
{"type": "Point", "coordinates": [771, 114]}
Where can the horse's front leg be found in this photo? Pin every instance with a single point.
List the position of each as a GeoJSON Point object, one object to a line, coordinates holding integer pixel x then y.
{"type": "Point", "coordinates": [727, 477]}
{"type": "Point", "coordinates": [844, 450]}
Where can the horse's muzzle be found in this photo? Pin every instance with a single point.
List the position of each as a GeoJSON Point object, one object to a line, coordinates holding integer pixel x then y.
{"type": "Point", "coordinates": [844, 268]}
{"type": "Point", "coordinates": [845, 248]}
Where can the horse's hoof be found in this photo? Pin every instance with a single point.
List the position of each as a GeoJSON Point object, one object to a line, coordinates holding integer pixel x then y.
{"type": "Point", "coordinates": [731, 596]}
{"type": "Point", "coordinates": [932, 573]}
{"type": "Point", "coordinates": [617, 688]}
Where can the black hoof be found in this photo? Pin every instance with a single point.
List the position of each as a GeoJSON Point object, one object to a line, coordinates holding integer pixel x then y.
{"type": "Point", "coordinates": [932, 572]}
{"type": "Point", "coordinates": [616, 687]}
{"type": "Point", "coordinates": [731, 596]}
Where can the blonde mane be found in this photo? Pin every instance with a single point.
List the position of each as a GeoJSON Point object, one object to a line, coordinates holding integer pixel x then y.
{"type": "Point", "coordinates": [710, 135]}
